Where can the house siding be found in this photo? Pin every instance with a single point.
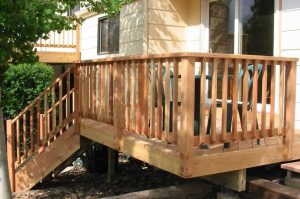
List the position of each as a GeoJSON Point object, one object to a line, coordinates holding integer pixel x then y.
{"type": "Point", "coordinates": [167, 25]}
{"type": "Point", "coordinates": [173, 26]}
{"type": "Point", "coordinates": [132, 28]}
{"type": "Point", "coordinates": [290, 42]}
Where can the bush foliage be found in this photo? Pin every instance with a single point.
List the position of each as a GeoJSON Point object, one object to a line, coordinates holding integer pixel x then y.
{"type": "Point", "coordinates": [22, 83]}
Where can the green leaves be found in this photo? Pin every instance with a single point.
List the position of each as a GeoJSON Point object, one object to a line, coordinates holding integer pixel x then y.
{"type": "Point", "coordinates": [22, 83]}
{"type": "Point", "coordinates": [110, 7]}
{"type": "Point", "coordinates": [23, 22]}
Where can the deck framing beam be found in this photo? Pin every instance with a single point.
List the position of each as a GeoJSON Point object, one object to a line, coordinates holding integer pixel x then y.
{"type": "Point", "coordinates": [167, 156]}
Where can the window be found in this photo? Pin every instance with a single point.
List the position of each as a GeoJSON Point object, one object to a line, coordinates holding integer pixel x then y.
{"type": "Point", "coordinates": [241, 26]}
{"type": "Point", "coordinates": [108, 35]}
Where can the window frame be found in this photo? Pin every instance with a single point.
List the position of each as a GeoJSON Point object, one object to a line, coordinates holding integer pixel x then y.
{"type": "Point", "coordinates": [99, 36]}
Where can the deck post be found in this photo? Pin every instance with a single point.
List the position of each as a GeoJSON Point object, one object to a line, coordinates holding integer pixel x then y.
{"type": "Point", "coordinates": [10, 153]}
{"type": "Point", "coordinates": [186, 135]}
{"type": "Point", "coordinates": [118, 103]}
{"type": "Point", "coordinates": [111, 167]}
{"type": "Point", "coordinates": [290, 103]}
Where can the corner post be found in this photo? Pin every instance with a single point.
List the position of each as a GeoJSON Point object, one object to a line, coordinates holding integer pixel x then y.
{"type": "Point", "coordinates": [186, 136]}
{"type": "Point", "coordinates": [10, 153]}
{"type": "Point", "coordinates": [290, 103]}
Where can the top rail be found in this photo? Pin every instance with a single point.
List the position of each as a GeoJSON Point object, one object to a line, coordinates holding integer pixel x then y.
{"type": "Point", "coordinates": [195, 55]}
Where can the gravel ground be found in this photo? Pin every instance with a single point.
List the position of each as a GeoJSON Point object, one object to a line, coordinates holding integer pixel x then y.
{"type": "Point", "coordinates": [132, 176]}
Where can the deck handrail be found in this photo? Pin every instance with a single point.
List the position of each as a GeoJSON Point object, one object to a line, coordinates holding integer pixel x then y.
{"type": "Point", "coordinates": [63, 39]}
{"type": "Point", "coordinates": [48, 116]}
{"type": "Point", "coordinates": [118, 91]}
{"type": "Point", "coordinates": [192, 54]}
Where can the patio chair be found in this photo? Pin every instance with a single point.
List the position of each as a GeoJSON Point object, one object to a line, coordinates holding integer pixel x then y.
{"type": "Point", "coordinates": [240, 103]}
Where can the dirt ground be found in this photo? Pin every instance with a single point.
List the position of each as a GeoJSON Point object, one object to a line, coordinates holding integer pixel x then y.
{"type": "Point", "coordinates": [78, 183]}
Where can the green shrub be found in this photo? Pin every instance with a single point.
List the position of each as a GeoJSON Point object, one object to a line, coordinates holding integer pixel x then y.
{"type": "Point", "coordinates": [22, 83]}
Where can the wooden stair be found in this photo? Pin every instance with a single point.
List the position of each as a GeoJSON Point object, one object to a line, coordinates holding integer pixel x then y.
{"type": "Point", "coordinates": [42, 164]}
{"type": "Point", "coordinates": [44, 138]}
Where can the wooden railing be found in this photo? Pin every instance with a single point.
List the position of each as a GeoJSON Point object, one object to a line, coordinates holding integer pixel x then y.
{"type": "Point", "coordinates": [192, 99]}
{"type": "Point", "coordinates": [64, 39]}
{"type": "Point", "coordinates": [41, 122]}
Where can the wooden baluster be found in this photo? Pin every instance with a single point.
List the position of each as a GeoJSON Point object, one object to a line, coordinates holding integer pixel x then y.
{"type": "Point", "coordinates": [53, 106]}
{"type": "Point", "coordinates": [76, 92]}
{"type": "Point", "coordinates": [24, 136]}
{"type": "Point", "coordinates": [264, 98]}
{"type": "Point", "coordinates": [224, 99]}
{"type": "Point", "coordinates": [175, 103]}
{"type": "Point", "coordinates": [272, 103]}
{"type": "Point", "coordinates": [103, 93]}
{"type": "Point", "coordinates": [235, 98]}
{"type": "Point", "coordinates": [110, 102]}
{"type": "Point", "coordinates": [82, 88]}
{"type": "Point", "coordinates": [153, 94]}
{"type": "Point", "coordinates": [72, 37]}
{"type": "Point", "coordinates": [42, 133]}
{"type": "Point", "coordinates": [167, 101]}
{"type": "Point", "coordinates": [86, 89]}
{"type": "Point", "coordinates": [202, 133]}
{"type": "Point", "coordinates": [99, 93]}
{"type": "Point", "coordinates": [78, 81]}
{"type": "Point", "coordinates": [31, 131]}
{"type": "Point", "coordinates": [107, 107]}
{"type": "Point", "coordinates": [145, 97]}
{"type": "Point", "coordinates": [63, 34]}
{"type": "Point", "coordinates": [141, 85]}
{"type": "Point", "coordinates": [92, 88]}
{"type": "Point", "coordinates": [245, 100]}
{"type": "Point", "coordinates": [45, 136]}
{"type": "Point", "coordinates": [76, 96]}
{"type": "Point", "coordinates": [128, 98]}
{"type": "Point", "coordinates": [59, 40]}
{"type": "Point", "coordinates": [38, 111]}
{"type": "Point", "coordinates": [60, 107]}
{"type": "Point", "coordinates": [159, 100]}
{"type": "Point", "coordinates": [95, 93]}
{"type": "Point", "coordinates": [254, 101]}
{"type": "Point", "coordinates": [54, 38]}
{"type": "Point", "coordinates": [213, 137]}
{"type": "Point", "coordinates": [133, 95]}
{"type": "Point", "coordinates": [290, 103]}
{"type": "Point", "coordinates": [186, 139]}
{"type": "Point", "coordinates": [18, 140]}
{"type": "Point", "coordinates": [281, 100]}
{"type": "Point", "coordinates": [11, 153]}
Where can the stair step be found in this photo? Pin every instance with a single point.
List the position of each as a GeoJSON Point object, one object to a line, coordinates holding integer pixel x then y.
{"type": "Point", "coordinates": [42, 164]}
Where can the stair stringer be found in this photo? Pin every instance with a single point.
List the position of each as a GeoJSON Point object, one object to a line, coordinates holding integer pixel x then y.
{"type": "Point", "coordinates": [42, 164]}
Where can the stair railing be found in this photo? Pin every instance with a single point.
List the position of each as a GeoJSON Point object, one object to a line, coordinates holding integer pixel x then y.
{"type": "Point", "coordinates": [47, 117]}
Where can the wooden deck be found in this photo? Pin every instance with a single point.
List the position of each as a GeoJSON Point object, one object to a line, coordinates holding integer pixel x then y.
{"type": "Point", "coordinates": [190, 114]}
{"type": "Point", "coordinates": [156, 108]}
{"type": "Point", "coordinates": [60, 47]}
